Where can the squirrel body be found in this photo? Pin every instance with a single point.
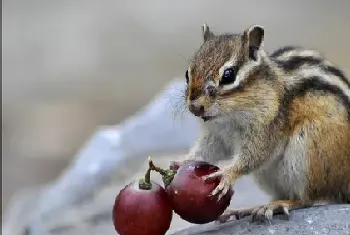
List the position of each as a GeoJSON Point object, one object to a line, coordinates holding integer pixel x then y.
{"type": "Point", "coordinates": [283, 117]}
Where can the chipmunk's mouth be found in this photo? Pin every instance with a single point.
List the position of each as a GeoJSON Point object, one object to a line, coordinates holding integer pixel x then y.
{"type": "Point", "coordinates": [207, 118]}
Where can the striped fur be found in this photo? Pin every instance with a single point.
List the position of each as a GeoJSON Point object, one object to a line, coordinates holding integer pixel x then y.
{"type": "Point", "coordinates": [291, 59]}
{"type": "Point", "coordinates": [285, 118]}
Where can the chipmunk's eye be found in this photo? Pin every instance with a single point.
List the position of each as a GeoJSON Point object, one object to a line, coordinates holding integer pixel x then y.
{"type": "Point", "coordinates": [228, 77]}
{"type": "Point", "coordinates": [187, 78]}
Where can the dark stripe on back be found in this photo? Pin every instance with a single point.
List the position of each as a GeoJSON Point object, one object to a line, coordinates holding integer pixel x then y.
{"type": "Point", "coordinates": [283, 50]}
{"type": "Point", "coordinates": [295, 62]}
{"type": "Point", "coordinates": [337, 72]}
{"type": "Point", "coordinates": [310, 84]}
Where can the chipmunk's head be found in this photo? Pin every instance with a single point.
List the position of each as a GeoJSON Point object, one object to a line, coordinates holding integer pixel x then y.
{"type": "Point", "coordinates": [223, 76]}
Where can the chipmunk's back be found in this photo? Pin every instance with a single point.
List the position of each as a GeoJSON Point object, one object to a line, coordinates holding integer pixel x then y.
{"type": "Point", "coordinates": [300, 62]}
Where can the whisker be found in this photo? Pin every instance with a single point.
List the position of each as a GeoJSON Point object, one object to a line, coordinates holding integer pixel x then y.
{"type": "Point", "coordinates": [177, 102]}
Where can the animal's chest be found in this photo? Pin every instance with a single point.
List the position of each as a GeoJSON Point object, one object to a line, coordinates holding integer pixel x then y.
{"type": "Point", "coordinates": [230, 136]}
{"type": "Point", "coordinates": [285, 175]}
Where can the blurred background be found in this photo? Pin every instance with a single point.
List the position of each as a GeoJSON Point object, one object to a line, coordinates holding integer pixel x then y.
{"type": "Point", "coordinates": [70, 66]}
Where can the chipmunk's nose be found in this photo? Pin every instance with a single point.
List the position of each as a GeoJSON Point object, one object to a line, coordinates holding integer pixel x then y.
{"type": "Point", "coordinates": [196, 109]}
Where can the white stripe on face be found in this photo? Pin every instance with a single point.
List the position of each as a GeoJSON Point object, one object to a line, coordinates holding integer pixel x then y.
{"type": "Point", "coordinates": [241, 73]}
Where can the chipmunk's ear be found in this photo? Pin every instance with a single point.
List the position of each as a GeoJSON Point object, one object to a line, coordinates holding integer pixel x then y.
{"type": "Point", "coordinates": [207, 34]}
{"type": "Point", "coordinates": [254, 37]}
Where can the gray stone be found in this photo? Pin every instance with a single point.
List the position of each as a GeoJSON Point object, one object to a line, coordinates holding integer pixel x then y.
{"type": "Point", "coordinates": [330, 220]}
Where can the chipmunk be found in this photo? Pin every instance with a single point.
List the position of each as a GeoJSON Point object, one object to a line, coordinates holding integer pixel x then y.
{"type": "Point", "coordinates": [283, 117]}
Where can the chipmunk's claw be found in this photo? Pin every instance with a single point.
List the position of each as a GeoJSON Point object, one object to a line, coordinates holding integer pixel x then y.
{"type": "Point", "coordinates": [263, 213]}
{"type": "Point", "coordinates": [224, 185]}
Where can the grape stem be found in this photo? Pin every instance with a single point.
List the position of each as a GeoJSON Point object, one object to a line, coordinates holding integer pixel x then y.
{"type": "Point", "coordinates": [145, 183]}
{"type": "Point", "coordinates": [167, 175]}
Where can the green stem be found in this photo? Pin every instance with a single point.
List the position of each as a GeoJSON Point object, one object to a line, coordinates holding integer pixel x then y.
{"type": "Point", "coordinates": [145, 183]}
{"type": "Point", "coordinates": [167, 175]}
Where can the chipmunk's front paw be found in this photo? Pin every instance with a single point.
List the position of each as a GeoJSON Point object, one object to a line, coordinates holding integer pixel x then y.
{"type": "Point", "coordinates": [226, 183]}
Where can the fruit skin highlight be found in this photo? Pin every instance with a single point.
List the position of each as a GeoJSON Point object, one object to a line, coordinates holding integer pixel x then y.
{"type": "Point", "coordinates": [142, 208]}
{"type": "Point", "coordinates": [189, 192]}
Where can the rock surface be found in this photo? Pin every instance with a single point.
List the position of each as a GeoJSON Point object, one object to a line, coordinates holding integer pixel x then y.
{"type": "Point", "coordinates": [330, 220]}
{"type": "Point", "coordinates": [93, 217]}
